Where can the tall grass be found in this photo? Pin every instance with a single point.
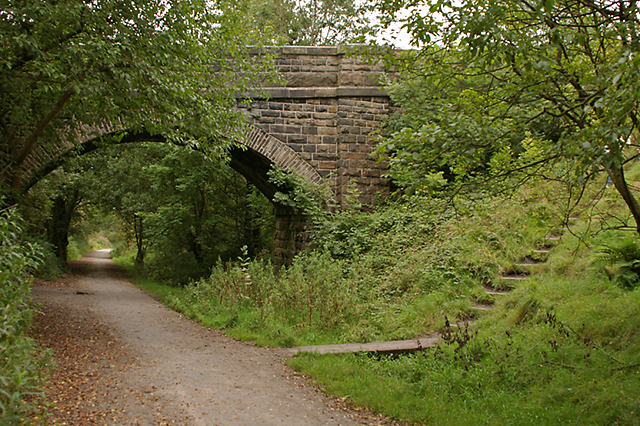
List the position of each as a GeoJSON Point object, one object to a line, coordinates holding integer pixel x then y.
{"type": "Point", "coordinates": [310, 302]}
{"type": "Point", "coordinates": [563, 347]}
{"type": "Point", "coordinates": [557, 352]}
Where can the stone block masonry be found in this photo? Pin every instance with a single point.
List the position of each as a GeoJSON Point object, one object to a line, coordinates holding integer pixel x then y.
{"type": "Point", "coordinates": [320, 123]}
{"type": "Point", "coordinates": [328, 112]}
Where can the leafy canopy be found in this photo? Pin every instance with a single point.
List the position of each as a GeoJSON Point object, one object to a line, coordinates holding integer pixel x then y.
{"type": "Point", "coordinates": [312, 22]}
{"type": "Point", "coordinates": [566, 70]}
{"type": "Point", "coordinates": [163, 67]}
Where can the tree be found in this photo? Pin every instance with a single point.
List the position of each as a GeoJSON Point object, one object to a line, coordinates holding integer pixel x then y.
{"type": "Point", "coordinates": [120, 182]}
{"type": "Point", "coordinates": [64, 206]}
{"type": "Point", "coordinates": [181, 210]}
{"type": "Point", "coordinates": [312, 22]}
{"type": "Point", "coordinates": [60, 202]}
{"type": "Point", "coordinates": [568, 68]}
{"type": "Point", "coordinates": [147, 67]}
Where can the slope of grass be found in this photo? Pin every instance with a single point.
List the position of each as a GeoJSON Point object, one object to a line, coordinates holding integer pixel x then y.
{"type": "Point", "coordinates": [556, 351]}
{"type": "Point", "coordinates": [562, 348]}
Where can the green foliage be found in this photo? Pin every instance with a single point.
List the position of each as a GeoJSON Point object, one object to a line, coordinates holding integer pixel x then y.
{"type": "Point", "coordinates": [562, 346]}
{"type": "Point", "coordinates": [489, 71]}
{"type": "Point", "coordinates": [556, 350]}
{"type": "Point", "coordinates": [543, 373]}
{"type": "Point", "coordinates": [21, 369]}
{"type": "Point", "coordinates": [51, 267]}
{"type": "Point", "coordinates": [179, 209]}
{"type": "Point", "coordinates": [305, 197]}
{"type": "Point", "coordinates": [620, 260]}
{"type": "Point", "coordinates": [155, 68]}
{"type": "Point", "coordinates": [311, 23]}
{"type": "Point", "coordinates": [94, 229]}
{"type": "Point", "coordinates": [400, 269]}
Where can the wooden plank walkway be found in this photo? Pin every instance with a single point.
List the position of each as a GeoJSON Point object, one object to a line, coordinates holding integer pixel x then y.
{"type": "Point", "coordinates": [394, 346]}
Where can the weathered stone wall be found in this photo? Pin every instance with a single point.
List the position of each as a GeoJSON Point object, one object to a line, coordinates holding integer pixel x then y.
{"type": "Point", "coordinates": [328, 112]}
{"type": "Point", "coordinates": [292, 235]}
{"type": "Point", "coordinates": [358, 121]}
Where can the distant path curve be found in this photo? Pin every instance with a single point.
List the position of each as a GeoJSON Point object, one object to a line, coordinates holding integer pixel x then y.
{"type": "Point", "coordinates": [196, 376]}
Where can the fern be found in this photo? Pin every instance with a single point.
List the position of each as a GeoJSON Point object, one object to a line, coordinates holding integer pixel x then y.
{"type": "Point", "coordinates": [620, 260]}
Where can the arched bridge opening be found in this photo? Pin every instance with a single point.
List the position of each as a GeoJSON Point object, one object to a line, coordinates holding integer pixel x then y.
{"type": "Point", "coordinates": [321, 123]}
{"type": "Point", "coordinates": [252, 158]}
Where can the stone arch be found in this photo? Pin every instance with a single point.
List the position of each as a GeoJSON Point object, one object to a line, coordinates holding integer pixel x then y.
{"type": "Point", "coordinates": [253, 160]}
{"type": "Point", "coordinates": [88, 144]}
{"type": "Point", "coordinates": [261, 152]}
{"type": "Point", "coordinates": [280, 154]}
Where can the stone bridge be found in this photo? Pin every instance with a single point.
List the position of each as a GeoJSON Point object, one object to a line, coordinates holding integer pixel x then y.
{"type": "Point", "coordinates": [321, 123]}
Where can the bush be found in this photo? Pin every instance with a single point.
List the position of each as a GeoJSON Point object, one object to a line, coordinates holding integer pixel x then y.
{"type": "Point", "coordinates": [20, 369]}
{"type": "Point", "coordinates": [174, 268]}
{"type": "Point", "coordinates": [51, 266]}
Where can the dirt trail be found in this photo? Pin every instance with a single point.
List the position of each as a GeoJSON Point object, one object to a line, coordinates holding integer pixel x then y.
{"type": "Point", "coordinates": [126, 359]}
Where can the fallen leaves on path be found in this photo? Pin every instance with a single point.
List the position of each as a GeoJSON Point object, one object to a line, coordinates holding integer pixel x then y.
{"type": "Point", "coordinates": [89, 385]}
{"type": "Point", "coordinates": [99, 380]}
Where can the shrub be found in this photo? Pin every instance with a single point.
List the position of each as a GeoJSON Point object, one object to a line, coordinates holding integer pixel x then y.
{"type": "Point", "coordinates": [620, 260]}
{"type": "Point", "coordinates": [20, 369]}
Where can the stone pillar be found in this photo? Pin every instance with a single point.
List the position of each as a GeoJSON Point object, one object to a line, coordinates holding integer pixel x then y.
{"type": "Point", "coordinates": [292, 235]}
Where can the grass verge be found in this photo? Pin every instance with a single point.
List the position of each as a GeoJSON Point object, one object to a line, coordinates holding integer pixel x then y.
{"type": "Point", "coordinates": [164, 292]}
{"type": "Point", "coordinates": [562, 348]}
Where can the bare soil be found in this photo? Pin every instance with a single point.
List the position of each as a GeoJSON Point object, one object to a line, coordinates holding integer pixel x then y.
{"type": "Point", "coordinates": [124, 359]}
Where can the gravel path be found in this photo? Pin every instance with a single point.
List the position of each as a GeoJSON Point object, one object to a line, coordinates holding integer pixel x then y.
{"type": "Point", "coordinates": [124, 359]}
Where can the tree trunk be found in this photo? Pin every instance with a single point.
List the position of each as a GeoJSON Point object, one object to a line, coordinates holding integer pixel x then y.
{"type": "Point", "coordinates": [620, 183]}
{"type": "Point", "coordinates": [138, 225]}
{"type": "Point", "coordinates": [63, 208]}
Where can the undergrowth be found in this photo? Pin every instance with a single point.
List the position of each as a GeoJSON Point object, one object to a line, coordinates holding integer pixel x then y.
{"type": "Point", "coordinates": [393, 273]}
{"type": "Point", "coordinates": [21, 367]}
{"type": "Point", "coordinates": [561, 348]}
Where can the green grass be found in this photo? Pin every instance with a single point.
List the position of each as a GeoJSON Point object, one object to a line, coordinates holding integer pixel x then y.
{"type": "Point", "coordinates": [562, 348]}
{"type": "Point", "coordinates": [160, 290]}
{"type": "Point", "coordinates": [557, 351]}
